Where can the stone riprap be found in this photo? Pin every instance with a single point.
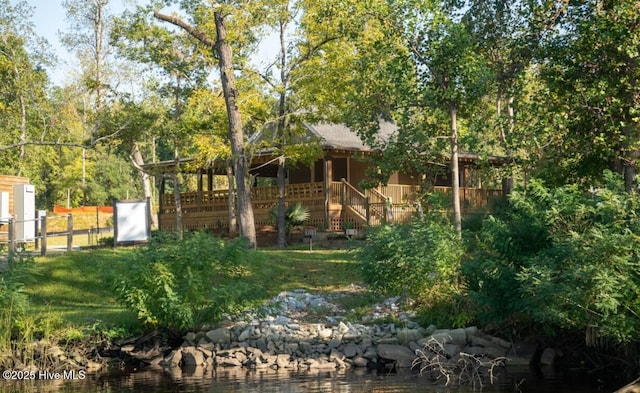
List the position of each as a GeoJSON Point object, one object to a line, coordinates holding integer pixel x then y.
{"type": "Point", "coordinates": [280, 340]}
{"type": "Point", "coordinates": [281, 335]}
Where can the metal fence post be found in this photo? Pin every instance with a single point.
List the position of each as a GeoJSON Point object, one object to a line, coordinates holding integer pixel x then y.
{"type": "Point", "coordinates": [70, 232]}
{"type": "Point", "coordinates": [12, 237]}
{"type": "Point", "coordinates": [43, 234]}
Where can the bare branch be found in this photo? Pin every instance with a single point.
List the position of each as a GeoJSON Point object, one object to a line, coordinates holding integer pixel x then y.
{"type": "Point", "coordinates": [311, 50]}
{"type": "Point", "coordinates": [194, 32]}
{"type": "Point", "coordinates": [43, 143]}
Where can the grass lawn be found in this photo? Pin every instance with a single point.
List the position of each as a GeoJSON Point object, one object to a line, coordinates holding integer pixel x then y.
{"type": "Point", "coordinates": [316, 271]}
{"type": "Point", "coordinates": [72, 286]}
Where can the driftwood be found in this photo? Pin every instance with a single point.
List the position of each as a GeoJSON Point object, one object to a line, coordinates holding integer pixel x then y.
{"type": "Point", "coordinates": [632, 387]}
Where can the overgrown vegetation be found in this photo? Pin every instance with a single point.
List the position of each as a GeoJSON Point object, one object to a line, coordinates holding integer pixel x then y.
{"type": "Point", "coordinates": [181, 284]}
{"type": "Point", "coordinates": [420, 260]}
{"type": "Point", "coordinates": [19, 324]}
{"type": "Point", "coordinates": [551, 258]}
{"type": "Point", "coordinates": [561, 258]}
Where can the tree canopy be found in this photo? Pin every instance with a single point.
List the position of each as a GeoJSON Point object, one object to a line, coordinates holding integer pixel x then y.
{"type": "Point", "coordinates": [551, 84]}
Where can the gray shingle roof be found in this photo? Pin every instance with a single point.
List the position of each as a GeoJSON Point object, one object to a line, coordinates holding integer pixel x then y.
{"type": "Point", "coordinates": [339, 136]}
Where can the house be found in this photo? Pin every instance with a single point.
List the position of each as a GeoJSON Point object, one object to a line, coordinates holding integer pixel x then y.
{"type": "Point", "coordinates": [328, 188]}
{"type": "Point", "coordinates": [7, 184]}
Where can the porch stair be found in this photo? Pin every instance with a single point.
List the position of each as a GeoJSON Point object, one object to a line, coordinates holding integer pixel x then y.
{"type": "Point", "coordinates": [368, 208]}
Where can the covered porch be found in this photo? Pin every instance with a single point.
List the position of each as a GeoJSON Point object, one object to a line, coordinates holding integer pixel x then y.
{"type": "Point", "coordinates": [328, 188]}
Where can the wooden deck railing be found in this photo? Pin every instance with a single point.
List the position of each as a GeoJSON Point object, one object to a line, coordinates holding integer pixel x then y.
{"type": "Point", "coordinates": [352, 198]}
{"type": "Point", "coordinates": [261, 197]}
{"type": "Point", "coordinates": [393, 203]}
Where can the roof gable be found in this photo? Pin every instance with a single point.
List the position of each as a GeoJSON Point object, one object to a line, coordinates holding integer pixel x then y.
{"type": "Point", "coordinates": [339, 136]}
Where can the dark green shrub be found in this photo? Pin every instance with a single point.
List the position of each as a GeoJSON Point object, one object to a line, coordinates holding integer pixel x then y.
{"type": "Point", "coordinates": [562, 258]}
{"type": "Point", "coordinates": [294, 216]}
{"type": "Point", "coordinates": [419, 259]}
{"type": "Point", "coordinates": [181, 284]}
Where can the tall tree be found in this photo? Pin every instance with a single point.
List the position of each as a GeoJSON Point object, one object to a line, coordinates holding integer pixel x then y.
{"type": "Point", "coordinates": [304, 29]}
{"type": "Point", "coordinates": [418, 67]}
{"type": "Point", "coordinates": [88, 37]}
{"type": "Point", "coordinates": [218, 42]}
{"type": "Point", "coordinates": [592, 68]}
{"type": "Point", "coordinates": [23, 103]}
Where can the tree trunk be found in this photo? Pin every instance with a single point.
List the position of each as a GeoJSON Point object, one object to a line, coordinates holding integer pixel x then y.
{"type": "Point", "coordinates": [455, 180]}
{"type": "Point", "coordinates": [282, 129]}
{"type": "Point", "coordinates": [239, 157]}
{"type": "Point", "coordinates": [240, 161]}
{"type": "Point", "coordinates": [233, 223]}
{"type": "Point", "coordinates": [138, 162]}
{"type": "Point", "coordinates": [176, 194]}
{"type": "Point", "coordinates": [282, 222]}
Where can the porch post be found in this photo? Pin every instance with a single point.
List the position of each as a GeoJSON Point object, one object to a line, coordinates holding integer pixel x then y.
{"type": "Point", "coordinates": [328, 175]}
{"type": "Point", "coordinates": [200, 189]}
{"type": "Point", "coordinates": [161, 201]}
{"type": "Point", "coordinates": [507, 185]}
{"type": "Point", "coordinates": [367, 211]}
{"type": "Point", "coordinates": [312, 175]}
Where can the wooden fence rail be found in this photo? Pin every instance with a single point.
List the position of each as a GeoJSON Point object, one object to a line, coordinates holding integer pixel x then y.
{"type": "Point", "coordinates": [39, 238]}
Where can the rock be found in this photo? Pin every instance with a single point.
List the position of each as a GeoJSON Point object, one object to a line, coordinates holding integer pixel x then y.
{"type": "Point", "coordinates": [241, 356]}
{"type": "Point", "coordinates": [350, 350]}
{"type": "Point", "coordinates": [458, 337]}
{"type": "Point", "coordinates": [395, 352]}
{"type": "Point", "coordinates": [325, 333]}
{"type": "Point", "coordinates": [92, 366]}
{"type": "Point", "coordinates": [219, 336]}
{"type": "Point", "coordinates": [173, 359]}
{"type": "Point", "coordinates": [407, 335]}
{"type": "Point", "coordinates": [282, 360]}
{"type": "Point", "coordinates": [477, 341]}
{"type": "Point", "coordinates": [471, 331]}
{"type": "Point", "coordinates": [440, 337]}
{"type": "Point", "coordinates": [335, 343]}
{"type": "Point", "coordinates": [475, 351]}
{"type": "Point", "coordinates": [204, 343]}
{"type": "Point", "coordinates": [206, 352]}
{"type": "Point", "coordinates": [451, 349]}
{"type": "Point", "coordinates": [414, 346]}
{"type": "Point", "coordinates": [360, 361]}
{"type": "Point", "coordinates": [154, 361]}
{"type": "Point", "coordinates": [246, 334]}
{"type": "Point", "coordinates": [495, 352]}
{"type": "Point", "coordinates": [228, 362]}
{"type": "Point", "coordinates": [503, 343]}
{"type": "Point", "coordinates": [370, 353]}
{"type": "Point", "coordinates": [192, 357]}
{"type": "Point", "coordinates": [261, 344]}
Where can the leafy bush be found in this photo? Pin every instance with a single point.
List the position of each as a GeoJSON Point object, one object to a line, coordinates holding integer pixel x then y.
{"type": "Point", "coordinates": [180, 284]}
{"type": "Point", "coordinates": [294, 216]}
{"type": "Point", "coordinates": [419, 259]}
{"type": "Point", "coordinates": [562, 258]}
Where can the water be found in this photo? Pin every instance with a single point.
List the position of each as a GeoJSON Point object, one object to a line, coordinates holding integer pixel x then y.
{"type": "Point", "coordinates": [274, 381]}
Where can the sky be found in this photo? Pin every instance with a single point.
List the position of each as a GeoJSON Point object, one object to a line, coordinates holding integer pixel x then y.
{"type": "Point", "coordinates": [49, 18]}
